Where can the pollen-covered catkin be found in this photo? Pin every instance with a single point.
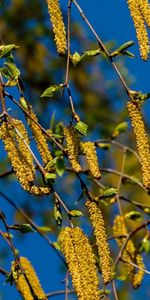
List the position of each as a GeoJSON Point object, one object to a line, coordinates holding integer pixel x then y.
{"type": "Point", "coordinates": [145, 10]}
{"type": "Point", "coordinates": [97, 221]}
{"type": "Point", "coordinates": [88, 148]}
{"type": "Point", "coordinates": [81, 263]}
{"type": "Point", "coordinates": [141, 141]}
{"type": "Point", "coordinates": [39, 137]}
{"type": "Point", "coordinates": [119, 229]}
{"type": "Point", "coordinates": [58, 26]}
{"type": "Point", "coordinates": [25, 154]}
{"type": "Point", "coordinates": [73, 143]}
{"type": "Point", "coordinates": [138, 276]}
{"type": "Point", "coordinates": [141, 31]}
{"type": "Point", "coordinates": [22, 163]}
{"type": "Point", "coordinates": [129, 253]}
{"type": "Point", "coordinates": [29, 288]}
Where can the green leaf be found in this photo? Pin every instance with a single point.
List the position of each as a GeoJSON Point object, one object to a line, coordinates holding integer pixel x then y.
{"type": "Point", "coordinates": [23, 103]}
{"type": "Point", "coordinates": [50, 176]}
{"type": "Point", "coordinates": [75, 213]}
{"type": "Point", "coordinates": [14, 73]}
{"type": "Point", "coordinates": [126, 46]}
{"type": "Point", "coordinates": [104, 146]}
{"type": "Point", "coordinates": [109, 193]}
{"type": "Point", "coordinates": [60, 166]}
{"type": "Point", "coordinates": [44, 229]}
{"type": "Point", "coordinates": [133, 215]}
{"type": "Point", "coordinates": [5, 50]}
{"type": "Point", "coordinates": [52, 90]}
{"type": "Point", "coordinates": [147, 210]}
{"type": "Point", "coordinates": [81, 127]}
{"type": "Point", "coordinates": [122, 127]}
{"type": "Point", "coordinates": [145, 245]}
{"type": "Point", "coordinates": [50, 164]}
{"type": "Point", "coordinates": [57, 213]}
{"type": "Point", "coordinates": [26, 228]}
{"type": "Point", "coordinates": [91, 53]}
{"type": "Point", "coordinates": [57, 245]}
{"type": "Point", "coordinates": [128, 53]}
{"type": "Point", "coordinates": [122, 50]}
{"type": "Point", "coordinates": [75, 58]}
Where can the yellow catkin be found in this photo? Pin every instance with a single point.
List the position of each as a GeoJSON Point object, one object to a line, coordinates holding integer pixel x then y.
{"type": "Point", "coordinates": [25, 154]}
{"type": "Point", "coordinates": [88, 148]}
{"type": "Point", "coordinates": [129, 253]}
{"type": "Point", "coordinates": [141, 141]}
{"type": "Point", "coordinates": [40, 190]}
{"type": "Point", "coordinates": [145, 10]}
{"type": "Point", "coordinates": [140, 27]}
{"type": "Point", "coordinates": [81, 263]}
{"type": "Point", "coordinates": [39, 137]}
{"type": "Point", "coordinates": [97, 221]}
{"type": "Point", "coordinates": [73, 143]}
{"type": "Point", "coordinates": [138, 276]}
{"type": "Point", "coordinates": [58, 26]}
{"type": "Point", "coordinates": [29, 288]}
{"type": "Point", "coordinates": [21, 162]}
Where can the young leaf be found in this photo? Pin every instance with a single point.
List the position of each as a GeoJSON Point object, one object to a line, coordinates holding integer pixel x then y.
{"type": "Point", "coordinates": [81, 128]}
{"type": "Point", "coordinates": [109, 193]}
{"type": "Point", "coordinates": [23, 103]}
{"type": "Point", "coordinates": [51, 91]}
{"type": "Point", "coordinates": [60, 166]}
{"type": "Point", "coordinates": [5, 50]}
{"type": "Point", "coordinates": [104, 146]}
{"type": "Point", "coordinates": [122, 50]}
{"type": "Point", "coordinates": [57, 245]}
{"type": "Point", "coordinates": [133, 215]}
{"type": "Point", "coordinates": [57, 213]}
{"type": "Point", "coordinates": [13, 70]}
{"type": "Point", "coordinates": [44, 229]}
{"type": "Point", "coordinates": [75, 213]}
{"type": "Point", "coordinates": [75, 58]}
{"type": "Point", "coordinates": [50, 176]}
{"type": "Point", "coordinates": [145, 245]}
{"type": "Point", "coordinates": [119, 129]}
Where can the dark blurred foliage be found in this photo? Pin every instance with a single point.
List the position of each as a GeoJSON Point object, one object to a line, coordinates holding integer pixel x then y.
{"type": "Point", "coordinates": [99, 100]}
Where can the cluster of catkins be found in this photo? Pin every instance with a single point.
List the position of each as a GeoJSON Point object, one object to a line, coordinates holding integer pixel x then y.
{"type": "Point", "coordinates": [14, 135]}
{"type": "Point", "coordinates": [26, 280]}
{"type": "Point", "coordinates": [140, 13]}
{"type": "Point", "coordinates": [129, 254]}
{"type": "Point", "coordinates": [80, 258]}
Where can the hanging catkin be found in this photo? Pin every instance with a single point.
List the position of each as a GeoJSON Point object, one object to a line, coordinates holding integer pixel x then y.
{"type": "Point", "coordinates": [29, 288]}
{"type": "Point", "coordinates": [145, 10]}
{"type": "Point", "coordinates": [20, 157]}
{"type": "Point", "coordinates": [73, 147]}
{"type": "Point", "coordinates": [141, 140]}
{"type": "Point", "coordinates": [129, 253]}
{"type": "Point", "coordinates": [18, 154]}
{"type": "Point", "coordinates": [58, 26]}
{"type": "Point", "coordinates": [139, 23]}
{"type": "Point", "coordinates": [81, 263]}
{"type": "Point", "coordinates": [138, 276]}
{"type": "Point", "coordinates": [39, 137]}
{"type": "Point", "coordinates": [88, 148]}
{"type": "Point", "coordinates": [97, 221]}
